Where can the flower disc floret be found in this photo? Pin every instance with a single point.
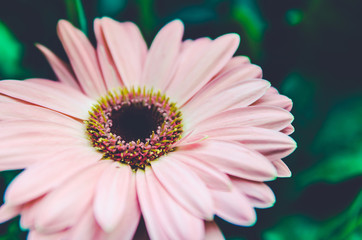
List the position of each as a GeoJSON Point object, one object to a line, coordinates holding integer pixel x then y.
{"type": "Point", "coordinates": [134, 127]}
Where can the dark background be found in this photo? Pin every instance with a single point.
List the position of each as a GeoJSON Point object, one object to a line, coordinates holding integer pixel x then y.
{"type": "Point", "coordinates": [310, 50]}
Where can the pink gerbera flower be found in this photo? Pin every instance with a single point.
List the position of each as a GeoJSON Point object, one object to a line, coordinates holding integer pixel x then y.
{"type": "Point", "coordinates": [176, 133]}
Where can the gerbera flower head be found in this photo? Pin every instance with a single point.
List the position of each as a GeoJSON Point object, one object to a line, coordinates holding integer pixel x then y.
{"type": "Point", "coordinates": [176, 133]}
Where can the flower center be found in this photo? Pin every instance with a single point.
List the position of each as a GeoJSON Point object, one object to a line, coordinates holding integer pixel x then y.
{"type": "Point", "coordinates": [134, 127]}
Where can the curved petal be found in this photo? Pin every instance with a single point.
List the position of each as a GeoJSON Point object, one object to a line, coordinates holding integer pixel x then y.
{"type": "Point", "coordinates": [127, 48]}
{"type": "Point", "coordinates": [190, 54]}
{"type": "Point", "coordinates": [258, 116]}
{"type": "Point", "coordinates": [234, 63]}
{"type": "Point", "coordinates": [83, 59]}
{"type": "Point", "coordinates": [127, 227]}
{"type": "Point", "coordinates": [36, 235]}
{"type": "Point", "coordinates": [20, 111]}
{"type": "Point", "coordinates": [7, 99]}
{"type": "Point", "coordinates": [273, 98]}
{"type": "Point", "coordinates": [53, 95]}
{"type": "Point", "coordinates": [270, 143]}
{"type": "Point", "coordinates": [49, 175]}
{"type": "Point", "coordinates": [282, 168]}
{"type": "Point", "coordinates": [159, 210]}
{"type": "Point", "coordinates": [234, 207]}
{"type": "Point", "coordinates": [38, 140]}
{"type": "Point", "coordinates": [8, 212]}
{"type": "Point", "coordinates": [219, 53]}
{"type": "Point", "coordinates": [162, 55]}
{"type": "Point", "coordinates": [86, 227]}
{"type": "Point", "coordinates": [115, 192]}
{"type": "Point", "coordinates": [288, 130]}
{"type": "Point", "coordinates": [29, 211]}
{"type": "Point", "coordinates": [192, 193]}
{"type": "Point", "coordinates": [109, 71]}
{"type": "Point", "coordinates": [55, 215]}
{"type": "Point", "coordinates": [20, 128]}
{"type": "Point", "coordinates": [62, 70]}
{"type": "Point", "coordinates": [224, 81]}
{"type": "Point", "coordinates": [212, 231]}
{"type": "Point", "coordinates": [234, 159]}
{"type": "Point", "coordinates": [258, 193]}
{"type": "Point", "coordinates": [229, 98]}
{"type": "Point", "coordinates": [211, 176]}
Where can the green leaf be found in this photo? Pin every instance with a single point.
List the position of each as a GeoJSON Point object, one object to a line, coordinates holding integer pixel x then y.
{"type": "Point", "coordinates": [296, 228]}
{"type": "Point", "coordinates": [302, 90]}
{"type": "Point", "coordinates": [342, 130]}
{"type": "Point", "coordinates": [248, 15]}
{"type": "Point", "coordinates": [110, 7]}
{"type": "Point", "coordinates": [336, 168]}
{"type": "Point", "coordinates": [11, 52]}
{"type": "Point", "coordinates": [76, 14]}
{"type": "Point", "coordinates": [345, 226]}
{"type": "Point", "coordinates": [146, 9]}
{"type": "Point", "coordinates": [339, 145]}
{"type": "Point", "coordinates": [294, 16]}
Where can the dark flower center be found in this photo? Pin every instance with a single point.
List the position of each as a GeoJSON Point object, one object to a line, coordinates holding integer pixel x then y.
{"type": "Point", "coordinates": [134, 127]}
{"type": "Point", "coordinates": [135, 122]}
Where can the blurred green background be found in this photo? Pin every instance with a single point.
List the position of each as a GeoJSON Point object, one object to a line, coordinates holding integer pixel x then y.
{"type": "Point", "coordinates": [310, 50]}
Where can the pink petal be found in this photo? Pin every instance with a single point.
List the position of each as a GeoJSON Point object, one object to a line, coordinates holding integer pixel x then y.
{"type": "Point", "coordinates": [127, 227]}
{"type": "Point", "coordinates": [35, 235]}
{"type": "Point", "coordinates": [20, 111]}
{"type": "Point", "coordinates": [288, 130]}
{"type": "Point", "coordinates": [83, 59]}
{"type": "Point", "coordinates": [258, 193]}
{"type": "Point", "coordinates": [136, 37]}
{"type": "Point", "coordinates": [190, 139]}
{"type": "Point", "coordinates": [234, 207]}
{"type": "Point", "coordinates": [22, 127]}
{"type": "Point", "coordinates": [37, 140]}
{"type": "Point", "coordinates": [8, 212]}
{"type": "Point", "coordinates": [109, 71]}
{"type": "Point", "coordinates": [29, 212]}
{"type": "Point", "coordinates": [110, 75]}
{"type": "Point", "coordinates": [86, 227]}
{"type": "Point", "coordinates": [190, 54]}
{"type": "Point", "coordinates": [270, 143]}
{"type": "Point", "coordinates": [62, 207]}
{"type": "Point", "coordinates": [229, 98]}
{"type": "Point", "coordinates": [234, 159]}
{"type": "Point", "coordinates": [235, 75]}
{"type": "Point", "coordinates": [258, 116]}
{"type": "Point", "coordinates": [210, 63]}
{"type": "Point", "coordinates": [212, 231]}
{"type": "Point", "coordinates": [62, 70]}
{"type": "Point", "coordinates": [52, 95]}
{"type": "Point", "coordinates": [127, 48]}
{"type": "Point", "coordinates": [116, 190]}
{"type": "Point", "coordinates": [7, 99]}
{"type": "Point", "coordinates": [223, 82]}
{"type": "Point", "coordinates": [47, 175]}
{"type": "Point", "coordinates": [282, 168]}
{"type": "Point", "coordinates": [235, 62]}
{"type": "Point", "coordinates": [273, 98]}
{"type": "Point", "coordinates": [211, 176]}
{"type": "Point", "coordinates": [160, 210]}
{"type": "Point", "coordinates": [192, 194]}
{"type": "Point", "coordinates": [162, 55]}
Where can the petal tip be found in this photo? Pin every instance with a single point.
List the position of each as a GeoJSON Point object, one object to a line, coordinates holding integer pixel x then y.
{"type": "Point", "coordinates": [63, 23]}
{"type": "Point", "coordinates": [177, 23]}
{"type": "Point", "coordinates": [232, 38]}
